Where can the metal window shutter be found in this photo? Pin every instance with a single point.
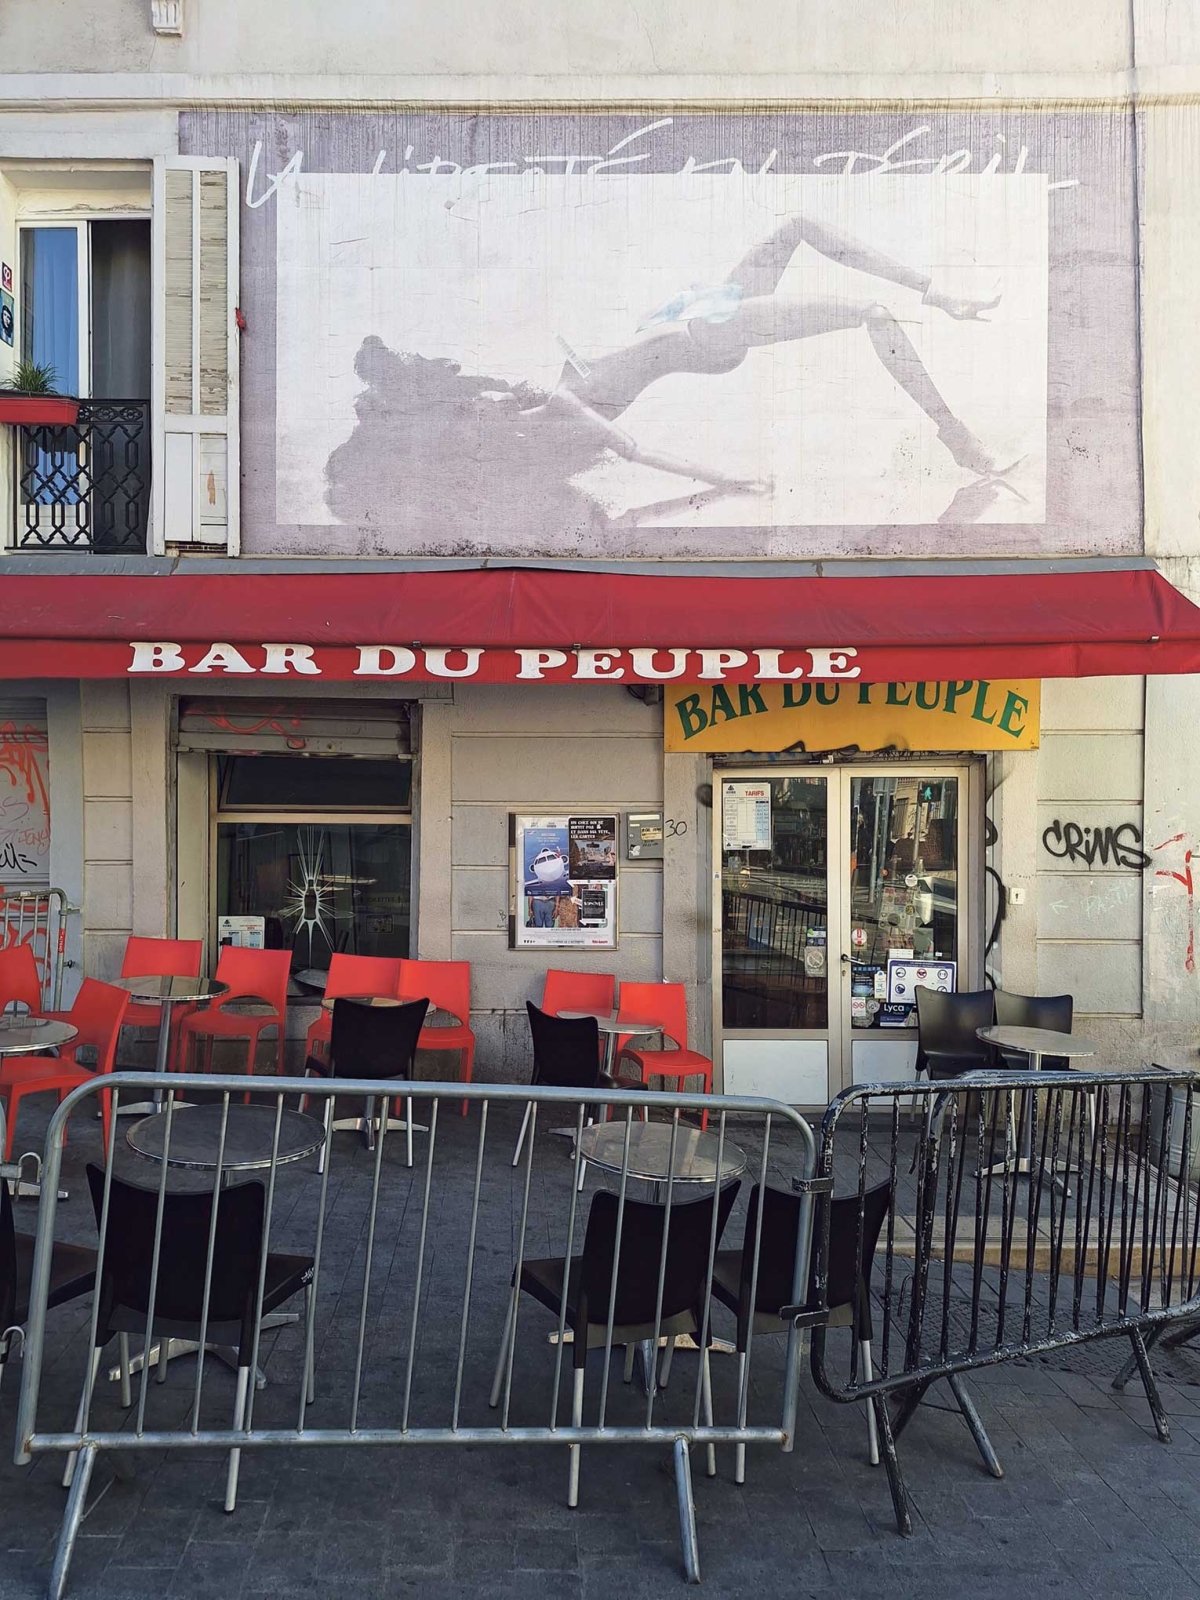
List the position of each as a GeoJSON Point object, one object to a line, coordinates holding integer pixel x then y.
{"type": "Point", "coordinates": [378, 729]}
{"type": "Point", "coordinates": [195, 480]}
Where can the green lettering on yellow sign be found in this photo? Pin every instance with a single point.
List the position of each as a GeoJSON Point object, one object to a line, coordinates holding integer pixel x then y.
{"type": "Point", "coordinates": [927, 715]}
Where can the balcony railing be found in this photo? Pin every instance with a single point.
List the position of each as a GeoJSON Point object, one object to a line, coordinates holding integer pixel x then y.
{"type": "Point", "coordinates": [86, 486]}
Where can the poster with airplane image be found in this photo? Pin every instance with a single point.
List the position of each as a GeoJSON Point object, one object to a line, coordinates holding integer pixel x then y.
{"type": "Point", "coordinates": [564, 892]}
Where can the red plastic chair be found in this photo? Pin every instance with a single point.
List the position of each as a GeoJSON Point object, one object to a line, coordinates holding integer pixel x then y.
{"type": "Point", "coordinates": [160, 958]}
{"type": "Point", "coordinates": [19, 980]}
{"type": "Point", "coordinates": [579, 991]}
{"type": "Point", "coordinates": [98, 1013]}
{"type": "Point", "coordinates": [348, 974]}
{"type": "Point", "coordinates": [447, 987]}
{"type": "Point", "coordinates": [666, 1005]}
{"type": "Point", "coordinates": [251, 975]}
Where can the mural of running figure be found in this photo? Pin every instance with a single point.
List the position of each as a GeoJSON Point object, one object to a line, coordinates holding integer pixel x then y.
{"type": "Point", "coordinates": [452, 446]}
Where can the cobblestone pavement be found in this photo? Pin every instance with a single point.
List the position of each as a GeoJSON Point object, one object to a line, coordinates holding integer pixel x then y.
{"type": "Point", "coordinates": [1091, 1503]}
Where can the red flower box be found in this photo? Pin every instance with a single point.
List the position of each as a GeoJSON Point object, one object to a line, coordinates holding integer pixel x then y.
{"type": "Point", "coordinates": [31, 410]}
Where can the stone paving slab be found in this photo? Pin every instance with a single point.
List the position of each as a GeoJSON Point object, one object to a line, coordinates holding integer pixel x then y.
{"type": "Point", "coordinates": [1091, 1504]}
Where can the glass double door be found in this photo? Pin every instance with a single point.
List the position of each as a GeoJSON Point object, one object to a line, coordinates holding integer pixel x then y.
{"type": "Point", "coordinates": [824, 877]}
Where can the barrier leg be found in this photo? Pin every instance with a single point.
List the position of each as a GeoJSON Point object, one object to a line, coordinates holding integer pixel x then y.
{"type": "Point", "coordinates": [523, 1132]}
{"type": "Point", "coordinates": [239, 1422]}
{"type": "Point", "coordinates": [892, 1462]}
{"type": "Point", "coordinates": [975, 1422]}
{"type": "Point", "coordinates": [502, 1358]}
{"type": "Point", "coordinates": [1161, 1426]}
{"type": "Point", "coordinates": [72, 1517]}
{"type": "Point", "coordinates": [706, 1395]}
{"type": "Point", "coordinates": [907, 1409]}
{"type": "Point", "coordinates": [126, 1390]}
{"type": "Point", "coordinates": [739, 1457]}
{"type": "Point", "coordinates": [310, 1359]}
{"type": "Point", "coordinates": [328, 1119]}
{"type": "Point", "coordinates": [664, 1369]}
{"type": "Point", "coordinates": [630, 1352]}
{"type": "Point", "coordinates": [408, 1130]}
{"type": "Point", "coordinates": [69, 1469]}
{"type": "Point", "coordinates": [573, 1450]}
{"type": "Point", "coordinates": [164, 1360]}
{"type": "Point", "coordinates": [687, 1512]}
{"type": "Point", "coordinates": [872, 1431]}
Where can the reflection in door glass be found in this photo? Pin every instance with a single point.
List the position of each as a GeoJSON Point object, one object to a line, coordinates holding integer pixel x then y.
{"type": "Point", "coordinates": [903, 881]}
{"type": "Point", "coordinates": [774, 903]}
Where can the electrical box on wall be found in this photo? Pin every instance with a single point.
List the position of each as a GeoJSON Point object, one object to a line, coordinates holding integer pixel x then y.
{"type": "Point", "coordinates": [643, 836]}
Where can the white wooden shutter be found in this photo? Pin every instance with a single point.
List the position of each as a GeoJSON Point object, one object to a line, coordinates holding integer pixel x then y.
{"type": "Point", "coordinates": [195, 470]}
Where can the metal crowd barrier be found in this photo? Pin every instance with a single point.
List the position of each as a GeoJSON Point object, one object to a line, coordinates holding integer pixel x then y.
{"type": "Point", "coordinates": [38, 918]}
{"type": "Point", "coordinates": [1029, 1213]}
{"type": "Point", "coordinates": [385, 1385]}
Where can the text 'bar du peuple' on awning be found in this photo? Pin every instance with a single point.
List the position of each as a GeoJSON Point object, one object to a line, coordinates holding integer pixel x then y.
{"type": "Point", "coordinates": [540, 623]}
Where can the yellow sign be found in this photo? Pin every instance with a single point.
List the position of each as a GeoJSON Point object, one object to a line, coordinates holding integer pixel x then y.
{"type": "Point", "coordinates": [748, 717]}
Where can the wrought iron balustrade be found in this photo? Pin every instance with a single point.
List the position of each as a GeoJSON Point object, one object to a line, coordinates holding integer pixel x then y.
{"type": "Point", "coordinates": [86, 486]}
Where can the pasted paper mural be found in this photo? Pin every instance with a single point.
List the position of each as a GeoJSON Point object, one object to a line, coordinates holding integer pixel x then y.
{"type": "Point", "coordinates": [737, 335]}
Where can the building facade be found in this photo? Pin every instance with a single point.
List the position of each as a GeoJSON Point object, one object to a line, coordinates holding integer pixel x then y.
{"type": "Point", "coordinates": [589, 493]}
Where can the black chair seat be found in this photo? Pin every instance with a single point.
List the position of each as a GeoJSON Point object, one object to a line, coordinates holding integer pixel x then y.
{"type": "Point", "coordinates": [543, 1280]}
{"type": "Point", "coordinates": [942, 1064]}
{"type": "Point", "coordinates": [727, 1279]}
{"type": "Point", "coordinates": [72, 1273]}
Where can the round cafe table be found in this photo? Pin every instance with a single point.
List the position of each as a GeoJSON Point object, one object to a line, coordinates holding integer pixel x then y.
{"type": "Point", "coordinates": [1034, 1043]}
{"type": "Point", "coordinates": [330, 1001]}
{"type": "Point", "coordinates": [23, 1035]}
{"type": "Point", "coordinates": [165, 991]}
{"type": "Point", "coordinates": [610, 1028]}
{"type": "Point", "coordinates": [249, 1137]}
{"type": "Point", "coordinates": [603, 1144]}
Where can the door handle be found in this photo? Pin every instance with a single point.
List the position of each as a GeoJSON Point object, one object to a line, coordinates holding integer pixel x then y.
{"type": "Point", "coordinates": [845, 959]}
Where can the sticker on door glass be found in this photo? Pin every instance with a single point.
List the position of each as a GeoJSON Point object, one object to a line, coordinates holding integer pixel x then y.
{"type": "Point", "coordinates": [858, 938]}
{"type": "Point", "coordinates": [745, 815]}
{"type": "Point", "coordinates": [904, 978]}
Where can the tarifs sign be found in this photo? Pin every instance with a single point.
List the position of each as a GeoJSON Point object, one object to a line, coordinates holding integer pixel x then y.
{"type": "Point", "coordinates": [964, 714]}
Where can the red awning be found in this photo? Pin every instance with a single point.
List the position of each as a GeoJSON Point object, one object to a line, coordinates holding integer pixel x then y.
{"type": "Point", "coordinates": [528, 623]}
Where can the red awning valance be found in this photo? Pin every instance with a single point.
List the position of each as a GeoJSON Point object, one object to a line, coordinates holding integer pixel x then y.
{"type": "Point", "coordinates": [531, 624]}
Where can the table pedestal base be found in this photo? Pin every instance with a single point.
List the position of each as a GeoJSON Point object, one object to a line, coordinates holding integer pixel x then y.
{"type": "Point", "coordinates": [369, 1126]}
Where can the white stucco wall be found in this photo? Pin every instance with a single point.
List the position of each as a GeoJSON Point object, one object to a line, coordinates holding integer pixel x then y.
{"type": "Point", "coordinates": [523, 749]}
{"type": "Point", "coordinates": [538, 39]}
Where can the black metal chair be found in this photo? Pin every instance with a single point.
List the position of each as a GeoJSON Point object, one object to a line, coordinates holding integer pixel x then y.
{"type": "Point", "coordinates": [72, 1274]}
{"type": "Point", "coordinates": [127, 1272]}
{"type": "Point", "coordinates": [566, 1053]}
{"type": "Point", "coordinates": [589, 1281]}
{"type": "Point", "coordinates": [947, 1045]}
{"type": "Point", "coordinates": [1054, 1011]}
{"type": "Point", "coordinates": [370, 1042]}
{"type": "Point", "coordinates": [851, 1255]}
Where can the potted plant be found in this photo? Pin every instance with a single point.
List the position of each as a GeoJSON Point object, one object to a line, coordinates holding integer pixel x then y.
{"type": "Point", "coordinates": [30, 397]}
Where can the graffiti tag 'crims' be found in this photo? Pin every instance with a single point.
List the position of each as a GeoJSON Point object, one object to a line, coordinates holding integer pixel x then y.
{"type": "Point", "coordinates": [1068, 841]}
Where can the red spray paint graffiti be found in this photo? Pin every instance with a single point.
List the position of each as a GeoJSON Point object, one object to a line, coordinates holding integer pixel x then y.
{"type": "Point", "coordinates": [1185, 878]}
{"type": "Point", "coordinates": [24, 803]}
{"type": "Point", "coordinates": [221, 719]}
